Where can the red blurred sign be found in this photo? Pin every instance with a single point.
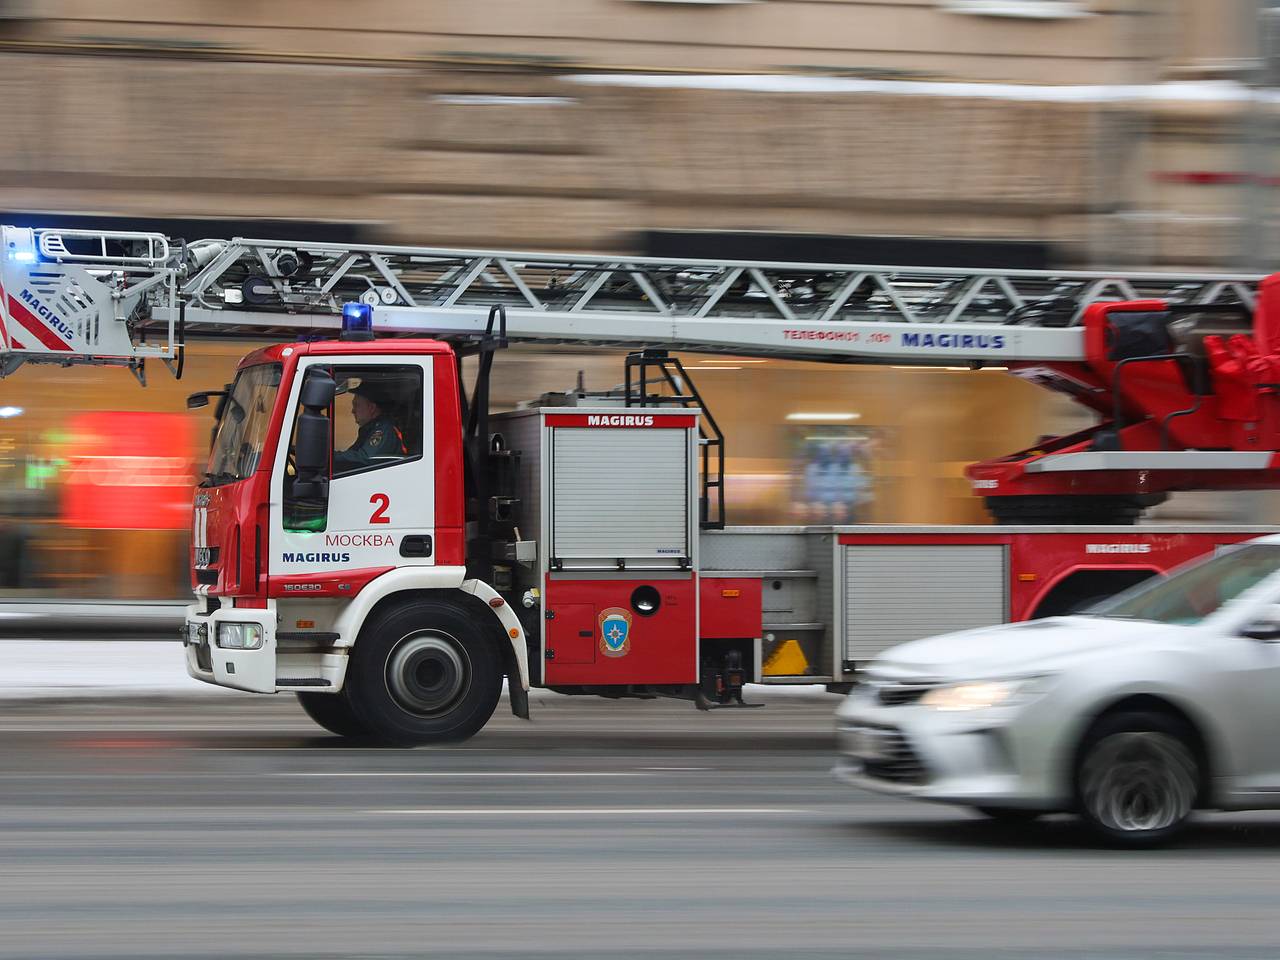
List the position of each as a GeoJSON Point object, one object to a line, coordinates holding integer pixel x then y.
{"type": "Point", "coordinates": [129, 471]}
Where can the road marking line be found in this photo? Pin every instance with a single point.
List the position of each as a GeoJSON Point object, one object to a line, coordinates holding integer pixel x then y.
{"type": "Point", "coordinates": [242, 775]}
{"type": "Point", "coordinates": [458, 773]}
{"type": "Point", "coordinates": [128, 776]}
{"type": "Point", "coordinates": [584, 811]}
{"type": "Point", "coordinates": [325, 750]}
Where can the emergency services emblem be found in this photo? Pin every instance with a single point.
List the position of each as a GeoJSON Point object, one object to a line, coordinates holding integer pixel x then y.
{"type": "Point", "coordinates": [615, 632]}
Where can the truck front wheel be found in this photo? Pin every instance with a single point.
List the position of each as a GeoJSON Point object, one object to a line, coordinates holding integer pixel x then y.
{"type": "Point", "coordinates": [333, 712]}
{"type": "Point", "coordinates": [424, 672]}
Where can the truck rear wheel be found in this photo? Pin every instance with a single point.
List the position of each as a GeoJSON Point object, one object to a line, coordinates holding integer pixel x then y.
{"type": "Point", "coordinates": [333, 712]}
{"type": "Point", "coordinates": [424, 672]}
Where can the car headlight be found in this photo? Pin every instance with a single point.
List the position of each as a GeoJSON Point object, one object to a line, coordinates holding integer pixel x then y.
{"type": "Point", "coordinates": [984, 694]}
{"type": "Point", "coordinates": [239, 636]}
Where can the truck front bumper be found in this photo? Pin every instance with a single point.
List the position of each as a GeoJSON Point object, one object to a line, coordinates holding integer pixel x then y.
{"type": "Point", "coordinates": [252, 669]}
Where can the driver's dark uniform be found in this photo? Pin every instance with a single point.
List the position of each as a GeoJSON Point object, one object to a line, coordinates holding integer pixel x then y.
{"type": "Point", "coordinates": [377, 438]}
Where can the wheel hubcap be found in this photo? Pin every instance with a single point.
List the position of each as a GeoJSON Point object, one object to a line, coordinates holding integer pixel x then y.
{"type": "Point", "coordinates": [1135, 782]}
{"type": "Point", "coordinates": [427, 674]}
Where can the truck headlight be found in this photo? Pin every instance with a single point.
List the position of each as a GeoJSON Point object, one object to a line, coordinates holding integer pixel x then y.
{"type": "Point", "coordinates": [239, 636]}
{"type": "Point", "coordinates": [984, 694]}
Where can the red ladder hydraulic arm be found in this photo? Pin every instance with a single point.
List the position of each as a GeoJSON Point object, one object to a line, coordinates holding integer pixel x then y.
{"type": "Point", "coordinates": [1189, 399]}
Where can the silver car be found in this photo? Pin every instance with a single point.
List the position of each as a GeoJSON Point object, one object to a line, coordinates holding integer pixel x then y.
{"type": "Point", "coordinates": [1157, 703]}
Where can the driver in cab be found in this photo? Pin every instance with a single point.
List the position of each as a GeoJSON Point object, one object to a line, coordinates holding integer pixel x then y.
{"type": "Point", "coordinates": [379, 438]}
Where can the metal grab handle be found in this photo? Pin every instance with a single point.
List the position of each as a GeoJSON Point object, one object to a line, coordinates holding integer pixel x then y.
{"type": "Point", "coordinates": [53, 247]}
{"type": "Point", "coordinates": [499, 312]}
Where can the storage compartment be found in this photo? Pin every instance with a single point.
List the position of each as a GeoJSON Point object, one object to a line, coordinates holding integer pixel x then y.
{"type": "Point", "coordinates": [620, 494]}
{"type": "Point", "coordinates": [793, 569]}
{"type": "Point", "coordinates": [571, 632]}
{"type": "Point", "coordinates": [790, 597]}
{"type": "Point", "coordinates": [895, 593]}
{"type": "Point", "coordinates": [793, 650]}
{"type": "Point", "coordinates": [729, 608]}
{"type": "Point", "coordinates": [641, 631]}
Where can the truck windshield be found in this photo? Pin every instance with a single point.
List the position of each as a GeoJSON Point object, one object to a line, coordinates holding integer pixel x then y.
{"type": "Point", "coordinates": [242, 425]}
{"type": "Point", "coordinates": [1190, 595]}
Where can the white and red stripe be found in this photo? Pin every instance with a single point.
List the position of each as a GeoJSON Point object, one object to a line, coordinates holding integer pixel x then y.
{"type": "Point", "coordinates": [18, 312]}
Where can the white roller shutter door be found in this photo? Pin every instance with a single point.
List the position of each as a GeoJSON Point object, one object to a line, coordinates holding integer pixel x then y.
{"type": "Point", "coordinates": [898, 593]}
{"type": "Point", "coordinates": [620, 493]}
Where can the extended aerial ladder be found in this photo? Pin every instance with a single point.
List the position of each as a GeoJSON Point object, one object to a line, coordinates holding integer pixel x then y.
{"type": "Point", "coordinates": [1182, 369]}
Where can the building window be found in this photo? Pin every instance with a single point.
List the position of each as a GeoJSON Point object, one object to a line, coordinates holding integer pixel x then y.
{"type": "Point", "coordinates": [1028, 9]}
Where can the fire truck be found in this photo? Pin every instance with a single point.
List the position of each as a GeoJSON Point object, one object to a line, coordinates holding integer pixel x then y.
{"type": "Point", "coordinates": [371, 537]}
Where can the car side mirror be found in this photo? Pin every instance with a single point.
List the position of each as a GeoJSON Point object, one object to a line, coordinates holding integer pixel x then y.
{"type": "Point", "coordinates": [1266, 629]}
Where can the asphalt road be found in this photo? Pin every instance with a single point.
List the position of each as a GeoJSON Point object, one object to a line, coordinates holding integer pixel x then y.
{"type": "Point", "coordinates": [230, 827]}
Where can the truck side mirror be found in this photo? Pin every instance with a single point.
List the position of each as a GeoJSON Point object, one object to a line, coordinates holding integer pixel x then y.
{"type": "Point", "coordinates": [221, 408]}
{"type": "Point", "coordinates": [318, 390]}
{"type": "Point", "coordinates": [312, 443]}
{"type": "Point", "coordinates": [197, 400]}
{"type": "Point", "coordinates": [312, 449]}
{"type": "Point", "coordinates": [308, 496]}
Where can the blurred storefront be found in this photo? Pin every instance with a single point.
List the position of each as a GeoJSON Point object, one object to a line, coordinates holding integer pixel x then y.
{"type": "Point", "coordinates": [96, 472]}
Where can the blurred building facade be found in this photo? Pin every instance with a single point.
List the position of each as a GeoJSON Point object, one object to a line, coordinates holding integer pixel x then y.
{"type": "Point", "coordinates": [567, 123]}
{"type": "Point", "coordinates": [1112, 132]}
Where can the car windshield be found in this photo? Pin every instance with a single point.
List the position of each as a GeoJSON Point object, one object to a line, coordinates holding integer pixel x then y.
{"type": "Point", "coordinates": [242, 425]}
{"type": "Point", "coordinates": [1195, 592]}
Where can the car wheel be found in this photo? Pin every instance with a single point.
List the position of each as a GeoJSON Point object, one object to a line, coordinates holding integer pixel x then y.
{"type": "Point", "coordinates": [333, 712]}
{"type": "Point", "coordinates": [1009, 815]}
{"type": "Point", "coordinates": [1138, 778]}
{"type": "Point", "coordinates": [424, 672]}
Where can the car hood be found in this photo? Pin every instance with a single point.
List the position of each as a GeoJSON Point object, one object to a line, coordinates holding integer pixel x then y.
{"type": "Point", "coordinates": [1013, 649]}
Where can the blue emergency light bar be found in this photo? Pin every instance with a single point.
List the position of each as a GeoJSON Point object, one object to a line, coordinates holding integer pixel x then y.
{"type": "Point", "coordinates": [357, 321]}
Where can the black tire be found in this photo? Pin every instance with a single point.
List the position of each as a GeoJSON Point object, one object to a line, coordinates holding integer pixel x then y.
{"type": "Point", "coordinates": [333, 712]}
{"type": "Point", "coordinates": [1009, 815]}
{"type": "Point", "coordinates": [424, 672]}
{"type": "Point", "coordinates": [1138, 778]}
